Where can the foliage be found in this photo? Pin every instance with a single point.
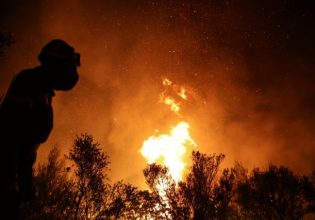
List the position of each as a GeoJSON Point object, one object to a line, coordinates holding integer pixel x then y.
{"type": "Point", "coordinates": [54, 197]}
{"type": "Point", "coordinates": [198, 189]}
{"type": "Point", "coordinates": [169, 201]}
{"type": "Point", "coordinates": [205, 193]}
{"type": "Point", "coordinates": [128, 202]}
{"type": "Point", "coordinates": [90, 166]}
{"type": "Point", "coordinates": [276, 193]}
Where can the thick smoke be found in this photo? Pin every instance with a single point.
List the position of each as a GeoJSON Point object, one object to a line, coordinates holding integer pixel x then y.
{"type": "Point", "coordinates": [249, 66]}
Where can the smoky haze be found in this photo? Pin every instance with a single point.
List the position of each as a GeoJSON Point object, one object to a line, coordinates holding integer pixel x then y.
{"type": "Point", "coordinates": [249, 66]}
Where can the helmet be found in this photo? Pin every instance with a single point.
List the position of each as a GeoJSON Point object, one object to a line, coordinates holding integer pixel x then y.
{"type": "Point", "coordinates": [58, 51]}
{"type": "Point", "coordinates": [60, 63]}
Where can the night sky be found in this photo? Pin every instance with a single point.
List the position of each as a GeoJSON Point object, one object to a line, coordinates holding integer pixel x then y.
{"type": "Point", "coordinates": [249, 65]}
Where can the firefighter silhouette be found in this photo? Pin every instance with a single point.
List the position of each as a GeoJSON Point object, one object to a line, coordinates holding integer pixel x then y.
{"type": "Point", "coordinates": [26, 119]}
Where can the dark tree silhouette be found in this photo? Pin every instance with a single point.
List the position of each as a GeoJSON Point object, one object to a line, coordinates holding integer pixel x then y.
{"type": "Point", "coordinates": [198, 188]}
{"type": "Point", "coordinates": [276, 193]}
{"type": "Point", "coordinates": [90, 168]}
{"type": "Point", "coordinates": [54, 198]}
{"type": "Point", "coordinates": [205, 193]}
{"type": "Point", "coordinates": [223, 193]}
{"type": "Point", "coordinates": [169, 201]}
{"type": "Point", "coordinates": [128, 202]}
{"type": "Point", "coordinates": [202, 195]}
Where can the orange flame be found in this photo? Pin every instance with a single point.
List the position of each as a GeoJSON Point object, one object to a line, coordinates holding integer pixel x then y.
{"type": "Point", "coordinates": [171, 102]}
{"type": "Point", "coordinates": [182, 93]}
{"type": "Point", "coordinates": [170, 148]}
{"type": "Point", "coordinates": [167, 82]}
{"type": "Point", "coordinates": [168, 98]}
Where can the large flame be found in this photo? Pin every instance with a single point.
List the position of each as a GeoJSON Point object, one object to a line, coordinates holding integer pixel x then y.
{"type": "Point", "coordinates": [169, 149]}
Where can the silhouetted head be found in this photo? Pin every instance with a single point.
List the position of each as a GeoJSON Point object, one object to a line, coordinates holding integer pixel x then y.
{"type": "Point", "coordinates": [60, 62]}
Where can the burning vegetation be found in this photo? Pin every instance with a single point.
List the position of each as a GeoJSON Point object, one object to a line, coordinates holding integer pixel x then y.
{"type": "Point", "coordinates": [169, 149]}
{"type": "Point", "coordinates": [243, 57]}
{"type": "Point", "coordinates": [82, 190]}
{"type": "Point", "coordinates": [78, 186]}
